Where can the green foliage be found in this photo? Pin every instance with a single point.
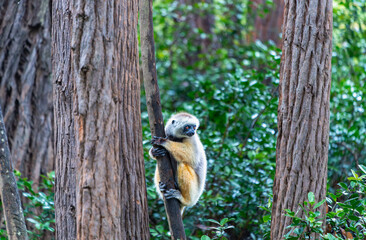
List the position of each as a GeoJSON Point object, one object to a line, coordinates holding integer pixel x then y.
{"type": "Point", "coordinates": [348, 93]}
{"type": "Point", "coordinates": [231, 85]}
{"type": "Point", "coordinates": [266, 225]}
{"type": "Point", "coordinates": [348, 206]}
{"type": "Point", "coordinates": [303, 228]}
{"type": "Point", "coordinates": [219, 230]}
{"type": "Point", "coordinates": [346, 215]}
{"type": "Point", "coordinates": [39, 210]}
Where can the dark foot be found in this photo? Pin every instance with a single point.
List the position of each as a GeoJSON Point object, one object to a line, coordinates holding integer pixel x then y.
{"type": "Point", "coordinates": [169, 193]}
{"type": "Point", "coordinates": [158, 151]}
{"type": "Point", "coordinates": [162, 187]}
{"type": "Point", "coordinates": [172, 193]}
{"type": "Point", "coordinates": [158, 141]}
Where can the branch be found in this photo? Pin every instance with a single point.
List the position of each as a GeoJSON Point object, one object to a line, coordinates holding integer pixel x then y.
{"type": "Point", "coordinates": [166, 165]}
{"type": "Point", "coordinates": [14, 217]}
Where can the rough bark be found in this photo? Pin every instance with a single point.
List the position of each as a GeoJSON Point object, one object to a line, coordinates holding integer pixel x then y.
{"type": "Point", "coordinates": [268, 27]}
{"type": "Point", "coordinates": [303, 111]}
{"type": "Point", "coordinates": [98, 136]}
{"type": "Point", "coordinates": [25, 84]}
{"type": "Point", "coordinates": [14, 217]}
{"type": "Point", "coordinates": [63, 90]}
{"type": "Point", "coordinates": [166, 165]}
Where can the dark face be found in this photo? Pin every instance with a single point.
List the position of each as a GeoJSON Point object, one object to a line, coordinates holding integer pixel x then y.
{"type": "Point", "coordinates": [189, 130]}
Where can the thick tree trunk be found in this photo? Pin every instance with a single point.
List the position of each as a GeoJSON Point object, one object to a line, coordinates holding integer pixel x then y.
{"type": "Point", "coordinates": [14, 217]}
{"type": "Point", "coordinates": [303, 111]}
{"type": "Point", "coordinates": [98, 123]}
{"type": "Point", "coordinates": [25, 84]}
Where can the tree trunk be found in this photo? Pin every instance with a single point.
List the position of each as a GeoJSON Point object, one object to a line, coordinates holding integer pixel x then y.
{"type": "Point", "coordinates": [196, 19]}
{"type": "Point", "coordinates": [268, 27]}
{"type": "Point", "coordinates": [167, 165]}
{"type": "Point", "coordinates": [303, 111]}
{"type": "Point", "coordinates": [14, 217]}
{"type": "Point", "coordinates": [25, 84]}
{"type": "Point", "coordinates": [100, 164]}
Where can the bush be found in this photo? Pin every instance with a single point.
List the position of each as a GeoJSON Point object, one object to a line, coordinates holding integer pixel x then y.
{"type": "Point", "coordinates": [39, 210]}
{"type": "Point", "coordinates": [346, 217]}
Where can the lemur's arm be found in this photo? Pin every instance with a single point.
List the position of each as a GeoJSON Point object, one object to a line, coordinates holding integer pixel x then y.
{"type": "Point", "coordinates": [181, 151]}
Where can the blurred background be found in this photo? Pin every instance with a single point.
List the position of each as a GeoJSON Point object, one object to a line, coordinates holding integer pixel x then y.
{"type": "Point", "coordinates": [220, 60]}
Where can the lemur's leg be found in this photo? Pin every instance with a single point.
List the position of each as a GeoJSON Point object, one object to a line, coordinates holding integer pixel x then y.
{"type": "Point", "coordinates": [188, 184]}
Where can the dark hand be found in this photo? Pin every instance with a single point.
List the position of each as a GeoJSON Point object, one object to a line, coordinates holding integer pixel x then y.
{"type": "Point", "coordinates": [158, 151]}
{"type": "Point", "coordinates": [158, 141]}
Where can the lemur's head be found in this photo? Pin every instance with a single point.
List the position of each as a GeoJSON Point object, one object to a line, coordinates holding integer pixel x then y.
{"type": "Point", "coordinates": [181, 125]}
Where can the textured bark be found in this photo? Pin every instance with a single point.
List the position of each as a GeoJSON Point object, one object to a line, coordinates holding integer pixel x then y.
{"type": "Point", "coordinates": [14, 217]}
{"type": "Point", "coordinates": [269, 27]}
{"type": "Point", "coordinates": [98, 136]}
{"type": "Point", "coordinates": [25, 84]}
{"type": "Point", "coordinates": [166, 165]}
{"type": "Point", "coordinates": [303, 111]}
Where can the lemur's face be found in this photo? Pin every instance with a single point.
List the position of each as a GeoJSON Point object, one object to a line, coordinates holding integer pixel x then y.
{"type": "Point", "coordinates": [182, 125]}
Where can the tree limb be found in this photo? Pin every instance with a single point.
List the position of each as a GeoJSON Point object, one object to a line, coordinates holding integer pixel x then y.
{"type": "Point", "coordinates": [166, 165]}
{"type": "Point", "coordinates": [14, 217]}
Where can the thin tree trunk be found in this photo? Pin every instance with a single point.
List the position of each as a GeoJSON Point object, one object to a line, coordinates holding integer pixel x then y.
{"type": "Point", "coordinates": [100, 162]}
{"type": "Point", "coordinates": [303, 111]}
{"type": "Point", "coordinates": [25, 84]}
{"type": "Point", "coordinates": [268, 27]}
{"type": "Point", "coordinates": [166, 165]}
{"type": "Point", "coordinates": [197, 19]}
{"type": "Point", "coordinates": [14, 217]}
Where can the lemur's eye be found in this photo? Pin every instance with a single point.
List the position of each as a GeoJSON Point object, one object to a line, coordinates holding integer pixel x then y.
{"type": "Point", "coordinates": [194, 127]}
{"type": "Point", "coordinates": [173, 121]}
{"type": "Point", "coordinates": [187, 127]}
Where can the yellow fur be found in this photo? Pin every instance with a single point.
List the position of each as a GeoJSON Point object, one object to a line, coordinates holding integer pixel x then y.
{"type": "Point", "coordinates": [181, 151]}
{"type": "Point", "coordinates": [187, 181]}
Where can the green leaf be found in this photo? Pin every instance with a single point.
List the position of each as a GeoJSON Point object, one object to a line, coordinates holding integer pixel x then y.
{"type": "Point", "coordinates": [224, 221]}
{"type": "Point", "coordinates": [362, 167]}
{"type": "Point", "coordinates": [160, 228]}
{"type": "Point", "coordinates": [205, 237]}
{"type": "Point", "coordinates": [289, 212]}
{"type": "Point", "coordinates": [354, 218]}
{"type": "Point", "coordinates": [334, 197]}
{"type": "Point", "coordinates": [311, 197]}
{"type": "Point", "coordinates": [354, 174]}
{"type": "Point", "coordinates": [214, 221]}
{"type": "Point", "coordinates": [32, 220]}
{"type": "Point", "coordinates": [319, 204]}
{"type": "Point", "coordinates": [266, 218]}
{"type": "Point", "coordinates": [343, 185]}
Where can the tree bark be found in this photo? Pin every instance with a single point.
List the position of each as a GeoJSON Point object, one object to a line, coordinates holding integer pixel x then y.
{"type": "Point", "coordinates": [14, 217]}
{"type": "Point", "coordinates": [166, 165]}
{"type": "Point", "coordinates": [100, 182]}
{"type": "Point", "coordinates": [25, 84]}
{"type": "Point", "coordinates": [303, 111]}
